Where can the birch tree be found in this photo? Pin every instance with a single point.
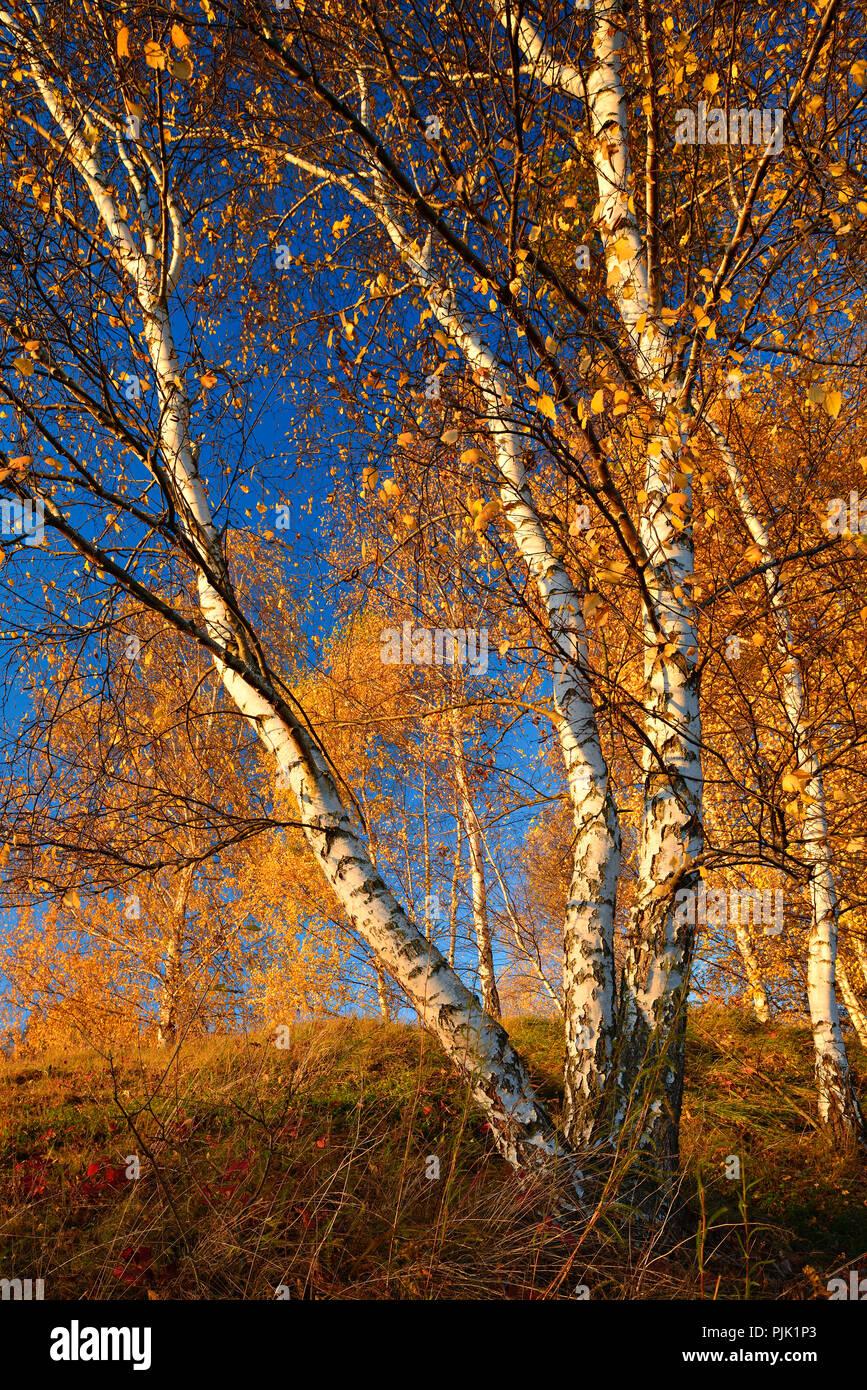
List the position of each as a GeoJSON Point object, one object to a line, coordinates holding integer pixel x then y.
{"type": "Point", "coordinates": [141, 240]}
{"type": "Point", "coordinates": [520, 180]}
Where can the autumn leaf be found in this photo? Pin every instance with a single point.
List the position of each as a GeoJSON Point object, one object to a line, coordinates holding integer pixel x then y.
{"type": "Point", "coordinates": [833, 403]}
{"type": "Point", "coordinates": [154, 55]}
{"type": "Point", "coordinates": [545, 406]}
{"type": "Point", "coordinates": [598, 402]}
{"type": "Point", "coordinates": [123, 42]}
{"type": "Point", "coordinates": [710, 84]}
{"type": "Point", "coordinates": [182, 70]}
{"type": "Point", "coordinates": [489, 510]}
{"type": "Point", "coordinates": [795, 781]}
{"type": "Point", "coordinates": [615, 573]}
{"type": "Point", "coordinates": [208, 380]}
{"type": "Point", "coordinates": [179, 38]}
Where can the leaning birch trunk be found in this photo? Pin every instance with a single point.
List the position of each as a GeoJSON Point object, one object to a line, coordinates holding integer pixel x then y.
{"type": "Point", "coordinates": [588, 967]}
{"type": "Point", "coordinates": [589, 986]}
{"type": "Point", "coordinates": [476, 1044]}
{"type": "Point", "coordinates": [755, 990]}
{"type": "Point", "coordinates": [838, 1104]}
{"type": "Point", "coordinates": [857, 1016]}
{"type": "Point", "coordinates": [481, 924]}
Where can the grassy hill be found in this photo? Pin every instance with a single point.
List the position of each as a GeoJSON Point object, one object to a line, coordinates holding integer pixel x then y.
{"type": "Point", "coordinates": [311, 1168]}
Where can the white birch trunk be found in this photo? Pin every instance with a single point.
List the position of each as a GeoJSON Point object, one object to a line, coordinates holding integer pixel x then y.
{"type": "Point", "coordinates": [456, 872]}
{"type": "Point", "coordinates": [487, 975]}
{"type": "Point", "coordinates": [381, 992]}
{"type": "Point", "coordinates": [589, 990]}
{"type": "Point", "coordinates": [857, 1016]}
{"type": "Point", "coordinates": [167, 1025]}
{"type": "Point", "coordinates": [656, 977]}
{"type": "Point", "coordinates": [838, 1104]}
{"type": "Point", "coordinates": [755, 990]}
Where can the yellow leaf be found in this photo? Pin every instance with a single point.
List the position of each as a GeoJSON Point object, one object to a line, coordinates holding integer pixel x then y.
{"type": "Point", "coordinates": [596, 610]}
{"type": "Point", "coordinates": [24, 365]}
{"type": "Point", "coordinates": [753, 555]}
{"type": "Point", "coordinates": [532, 383]}
{"type": "Point", "coordinates": [545, 406]}
{"type": "Point", "coordinates": [451, 436]}
{"type": "Point", "coordinates": [154, 56]}
{"type": "Point", "coordinates": [182, 70]}
{"type": "Point", "coordinates": [710, 84]}
{"type": "Point", "coordinates": [405, 438]}
{"type": "Point", "coordinates": [833, 403]}
{"type": "Point", "coordinates": [123, 42]}
{"type": "Point", "coordinates": [179, 38]}
{"type": "Point", "coordinates": [795, 781]}
{"type": "Point", "coordinates": [858, 72]}
{"type": "Point", "coordinates": [598, 402]}
{"type": "Point", "coordinates": [208, 379]}
{"type": "Point", "coordinates": [488, 511]}
{"type": "Point", "coordinates": [472, 456]}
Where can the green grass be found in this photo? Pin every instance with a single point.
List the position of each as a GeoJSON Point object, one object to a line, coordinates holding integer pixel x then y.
{"type": "Point", "coordinates": [306, 1167]}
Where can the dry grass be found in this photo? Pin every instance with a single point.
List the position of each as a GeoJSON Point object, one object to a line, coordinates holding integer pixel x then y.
{"type": "Point", "coordinates": [307, 1167]}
